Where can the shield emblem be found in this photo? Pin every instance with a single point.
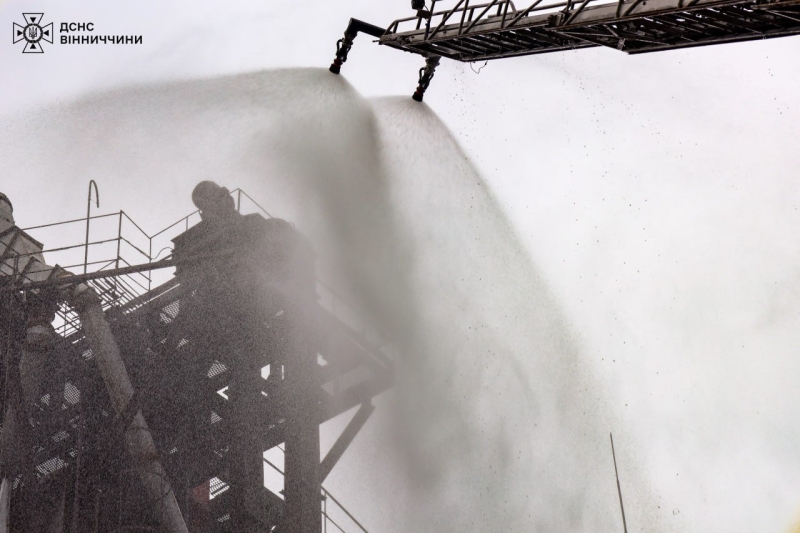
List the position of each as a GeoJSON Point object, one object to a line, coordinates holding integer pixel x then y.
{"type": "Point", "coordinates": [33, 32]}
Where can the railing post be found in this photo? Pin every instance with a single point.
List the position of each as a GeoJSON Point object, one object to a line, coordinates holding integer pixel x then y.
{"type": "Point", "coordinates": [463, 15]}
{"type": "Point", "coordinates": [119, 248]}
{"type": "Point", "coordinates": [150, 260]}
{"type": "Point", "coordinates": [119, 239]}
{"type": "Point", "coordinates": [325, 510]}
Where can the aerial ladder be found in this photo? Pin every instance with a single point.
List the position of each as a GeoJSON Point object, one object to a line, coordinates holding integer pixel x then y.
{"type": "Point", "coordinates": [471, 31]}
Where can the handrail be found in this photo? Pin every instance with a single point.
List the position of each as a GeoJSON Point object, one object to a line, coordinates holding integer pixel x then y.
{"type": "Point", "coordinates": [186, 218]}
{"type": "Point", "coordinates": [326, 494]}
{"type": "Point", "coordinates": [329, 519]}
{"type": "Point", "coordinates": [251, 199]}
{"type": "Point", "coordinates": [50, 250]}
{"type": "Point", "coordinates": [485, 10]}
{"type": "Point", "coordinates": [145, 254]}
{"type": "Point", "coordinates": [71, 221]}
{"type": "Point", "coordinates": [445, 19]}
{"type": "Point", "coordinates": [140, 279]}
{"type": "Point", "coordinates": [507, 14]}
{"type": "Point", "coordinates": [135, 224]}
{"type": "Point", "coordinates": [105, 261]}
{"type": "Point", "coordinates": [337, 502]}
{"type": "Point", "coordinates": [397, 22]}
{"type": "Point", "coordinates": [524, 13]}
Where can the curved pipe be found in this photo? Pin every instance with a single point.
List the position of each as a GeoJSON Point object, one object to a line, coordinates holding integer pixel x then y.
{"type": "Point", "coordinates": [92, 183]}
{"type": "Point", "coordinates": [343, 45]}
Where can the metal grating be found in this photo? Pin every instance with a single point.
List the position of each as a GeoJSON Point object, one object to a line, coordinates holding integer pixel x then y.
{"type": "Point", "coordinates": [50, 466]}
{"type": "Point", "coordinates": [497, 29]}
{"type": "Point", "coordinates": [216, 369]}
{"type": "Point", "coordinates": [72, 394]}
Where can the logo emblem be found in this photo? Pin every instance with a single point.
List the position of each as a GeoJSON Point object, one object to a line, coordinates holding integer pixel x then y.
{"type": "Point", "coordinates": [33, 33]}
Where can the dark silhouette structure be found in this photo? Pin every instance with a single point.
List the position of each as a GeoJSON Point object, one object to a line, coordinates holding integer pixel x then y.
{"type": "Point", "coordinates": [157, 407]}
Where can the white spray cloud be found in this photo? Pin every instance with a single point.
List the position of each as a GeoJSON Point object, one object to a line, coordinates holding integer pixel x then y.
{"type": "Point", "coordinates": [499, 423]}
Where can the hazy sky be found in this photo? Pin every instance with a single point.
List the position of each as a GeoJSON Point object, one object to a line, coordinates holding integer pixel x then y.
{"type": "Point", "coordinates": [656, 194]}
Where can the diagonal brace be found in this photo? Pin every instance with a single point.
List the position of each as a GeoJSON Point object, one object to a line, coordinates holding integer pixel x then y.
{"type": "Point", "coordinates": [344, 440]}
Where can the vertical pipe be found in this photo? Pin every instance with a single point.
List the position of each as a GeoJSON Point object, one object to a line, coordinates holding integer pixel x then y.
{"type": "Point", "coordinates": [79, 453]}
{"type": "Point", "coordinates": [8, 435]}
{"type": "Point", "coordinates": [302, 486]}
{"type": "Point", "coordinates": [96, 512]}
{"type": "Point", "coordinates": [10, 455]}
{"type": "Point", "coordinates": [137, 437]}
{"type": "Point", "coordinates": [5, 501]}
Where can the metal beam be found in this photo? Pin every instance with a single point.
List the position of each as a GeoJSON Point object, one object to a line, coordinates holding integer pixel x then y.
{"type": "Point", "coordinates": [473, 47]}
{"type": "Point", "coordinates": [667, 24]}
{"type": "Point", "coordinates": [500, 40]}
{"type": "Point", "coordinates": [479, 42]}
{"type": "Point", "coordinates": [711, 40]}
{"type": "Point", "coordinates": [664, 28]}
{"type": "Point", "coordinates": [733, 21]}
{"type": "Point", "coordinates": [445, 18]}
{"type": "Point", "coordinates": [548, 37]}
{"type": "Point", "coordinates": [705, 20]}
{"type": "Point", "coordinates": [577, 11]}
{"type": "Point", "coordinates": [488, 7]}
{"type": "Point", "coordinates": [345, 439]}
{"type": "Point", "coordinates": [138, 439]}
{"type": "Point", "coordinates": [524, 13]}
{"type": "Point", "coordinates": [631, 8]}
{"type": "Point", "coordinates": [71, 279]}
{"type": "Point", "coordinates": [781, 14]}
{"type": "Point", "coordinates": [531, 39]}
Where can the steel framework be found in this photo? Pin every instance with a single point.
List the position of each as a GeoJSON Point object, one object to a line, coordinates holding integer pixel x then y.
{"type": "Point", "coordinates": [497, 29]}
{"type": "Point", "coordinates": [183, 369]}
